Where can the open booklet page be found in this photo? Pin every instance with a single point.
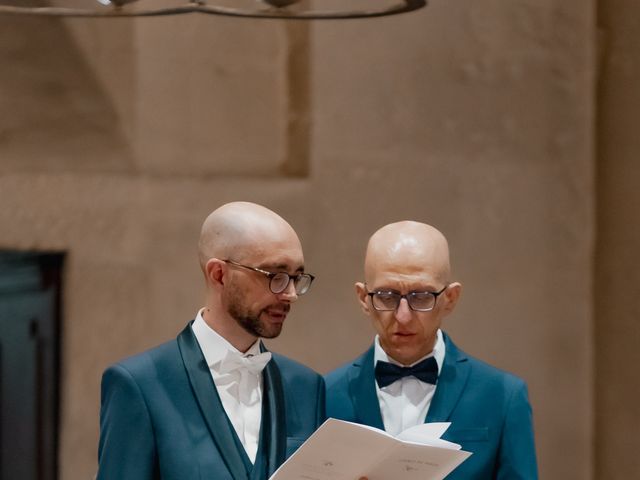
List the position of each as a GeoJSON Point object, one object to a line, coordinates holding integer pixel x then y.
{"type": "Point", "coordinates": [341, 450]}
{"type": "Point", "coordinates": [428, 434]}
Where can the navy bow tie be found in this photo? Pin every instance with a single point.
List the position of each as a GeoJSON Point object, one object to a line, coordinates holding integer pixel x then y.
{"type": "Point", "coordinates": [425, 371]}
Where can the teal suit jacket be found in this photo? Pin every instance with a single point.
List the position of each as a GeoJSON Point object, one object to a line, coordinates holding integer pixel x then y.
{"type": "Point", "coordinates": [161, 417]}
{"type": "Point", "coordinates": [488, 409]}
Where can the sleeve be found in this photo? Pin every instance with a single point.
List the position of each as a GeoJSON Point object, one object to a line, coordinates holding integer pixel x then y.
{"type": "Point", "coordinates": [126, 449]}
{"type": "Point", "coordinates": [517, 456]}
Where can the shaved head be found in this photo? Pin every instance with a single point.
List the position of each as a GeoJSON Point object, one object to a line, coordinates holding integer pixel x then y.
{"type": "Point", "coordinates": [406, 258]}
{"type": "Point", "coordinates": [241, 244]}
{"type": "Point", "coordinates": [413, 245]}
{"type": "Point", "coordinates": [237, 227]}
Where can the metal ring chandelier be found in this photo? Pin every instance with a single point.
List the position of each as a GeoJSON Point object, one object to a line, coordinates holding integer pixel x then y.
{"type": "Point", "coordinates": [275, 9]}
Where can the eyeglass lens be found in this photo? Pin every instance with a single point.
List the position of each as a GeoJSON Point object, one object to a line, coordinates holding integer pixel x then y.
{"type": "Point", "coordinates": [416, 300]}
{"type": "Point", "coordinates": [280, 282]}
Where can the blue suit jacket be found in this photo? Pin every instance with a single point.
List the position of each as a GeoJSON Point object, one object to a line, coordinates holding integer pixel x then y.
{"type": "Point", "coordinates": [161, 417]}
{"type": "Point", "coordinates": [488, 409]}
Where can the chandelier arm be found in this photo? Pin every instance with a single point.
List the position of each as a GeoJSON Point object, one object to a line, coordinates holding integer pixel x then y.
{"type": "Point", "coordinates": [195, 7]}
{"type": "Point", "coordinates": [107, 13]}
{"type": "Point", "coordinates": [275, 13]}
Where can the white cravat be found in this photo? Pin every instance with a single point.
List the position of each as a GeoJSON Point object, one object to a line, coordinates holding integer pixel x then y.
{"type": "Point", "coordinates": [249, 368]}
{"type": "Point", "coordinates": [405, 402]}
{"type": "Point", "coordinates": [238, 379]}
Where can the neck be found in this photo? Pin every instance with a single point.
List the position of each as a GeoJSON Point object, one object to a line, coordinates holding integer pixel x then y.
{"type": "Point", "coordinates": [229, 330]}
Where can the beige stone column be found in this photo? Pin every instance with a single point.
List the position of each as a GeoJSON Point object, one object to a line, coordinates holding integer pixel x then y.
{"type": "Point", "coordinates": [617, 275]}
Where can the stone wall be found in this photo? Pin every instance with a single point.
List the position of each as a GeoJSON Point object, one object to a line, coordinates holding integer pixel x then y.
{"type": "Point", "coordinates": [118, 137]}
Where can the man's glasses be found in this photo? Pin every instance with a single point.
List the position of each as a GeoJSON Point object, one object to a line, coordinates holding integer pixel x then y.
{"type": "Point", "coordinates": [418, 301]}
{"type": "Point", "coordinates": [279, 281]}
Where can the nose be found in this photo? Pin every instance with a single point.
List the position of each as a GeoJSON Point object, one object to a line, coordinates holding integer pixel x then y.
{"type": "Point", "coordinates": [403, 313]}
{"type": "Point", "coordinates": [289, 294]}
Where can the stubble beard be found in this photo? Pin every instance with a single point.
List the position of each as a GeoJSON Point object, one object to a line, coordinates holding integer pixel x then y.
{"type": "Point", "coordinates": [250, 321]}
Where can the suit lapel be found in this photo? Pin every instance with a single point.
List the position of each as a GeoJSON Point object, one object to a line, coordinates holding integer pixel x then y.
{"type": "Point", "coordinates": [211, 407]}
{"type": "Point", "coordinates": [451, 383]}
{"type": "Point", "coordinates": [362, 389]}
{"type": "Point", "coordinates": [273, 436]}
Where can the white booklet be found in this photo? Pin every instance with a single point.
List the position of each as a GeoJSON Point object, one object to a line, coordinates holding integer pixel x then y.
{"type": "Point", "coordinates": [341, 450]}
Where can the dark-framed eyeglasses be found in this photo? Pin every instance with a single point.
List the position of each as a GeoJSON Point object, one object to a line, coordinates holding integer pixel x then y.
{"type": "Point", "coordinates": [279, 281]}
{"type": "Point", "coordinates": [384, 300]}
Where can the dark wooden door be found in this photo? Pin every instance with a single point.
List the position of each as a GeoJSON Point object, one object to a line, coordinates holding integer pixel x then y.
{"type": "Point", "coordinates": [29, 364]}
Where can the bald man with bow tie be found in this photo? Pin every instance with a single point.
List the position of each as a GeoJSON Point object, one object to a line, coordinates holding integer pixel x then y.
{"type": "Point", "coordinates": [414, 373]}
{"type": "Point", "coordinates": [214, 403]}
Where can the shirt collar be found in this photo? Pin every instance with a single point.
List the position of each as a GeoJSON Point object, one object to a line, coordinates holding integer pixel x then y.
{"type": "Point", "coordinates": [437, 352]}
{"type": "Point", "coordinates": [213, 345]}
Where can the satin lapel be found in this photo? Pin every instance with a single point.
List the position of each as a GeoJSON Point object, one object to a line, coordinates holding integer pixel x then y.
{"type": "Point", "coordinates": [210, 405]}
{"type": "Point", "coordinates": [362, 389]}
{"type": "Point", "coordinates": [451, 383]}
{"type": "Point", "coordinates": [275, 423]}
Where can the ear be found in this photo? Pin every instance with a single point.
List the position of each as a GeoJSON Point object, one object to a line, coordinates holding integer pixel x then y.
{"type": "Point", "coordinates": [361, 292]}
{"type": "Point", "coordinates": [452, 295]}
{"type": "Point", "coordinates": [215, 271]}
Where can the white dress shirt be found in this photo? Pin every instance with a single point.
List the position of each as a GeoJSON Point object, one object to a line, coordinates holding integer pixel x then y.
{"type": "Point", "coordinates": [240, 389]}
{"type": "Point", "coordinates": [405, 402]}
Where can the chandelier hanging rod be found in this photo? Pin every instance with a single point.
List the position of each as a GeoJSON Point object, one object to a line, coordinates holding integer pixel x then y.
{"type": "Point", "coordinates": [117, 10]}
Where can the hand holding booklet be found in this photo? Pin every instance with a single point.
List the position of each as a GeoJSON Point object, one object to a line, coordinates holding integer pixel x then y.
{"type": "Point", "coordinates": [341, 450]}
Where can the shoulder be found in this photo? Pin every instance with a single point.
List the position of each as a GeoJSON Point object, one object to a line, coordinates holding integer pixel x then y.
{"type": "Point", "coordinates": [339, 375]}
{"type": "Point", "coordinates": [294, 370]}
{"type": "Point", "coordinates": [164, 357]}
{"type": "Point", "coordinates": [149, 362]}
{"type": "Point", "coordinates": [483, 372]}
{"type": "Point", "coordinates": [337, 378]}
{"type": "Point", "coordinates": [497, 379]}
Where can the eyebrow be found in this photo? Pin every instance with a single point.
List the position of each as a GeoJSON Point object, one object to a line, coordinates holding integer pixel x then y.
{"type": "Point", "coordinates": [413, 290]}
{"type": "Point", "coordinates": [280, 267]}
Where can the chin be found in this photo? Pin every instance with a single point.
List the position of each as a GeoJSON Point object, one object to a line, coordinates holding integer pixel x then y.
{"type": "Point", "coordinates": [398, 354]}
{"type": "Point", "coordinates": [271, 331]}
{"type": "Point", "coordinates": [405, 355]}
